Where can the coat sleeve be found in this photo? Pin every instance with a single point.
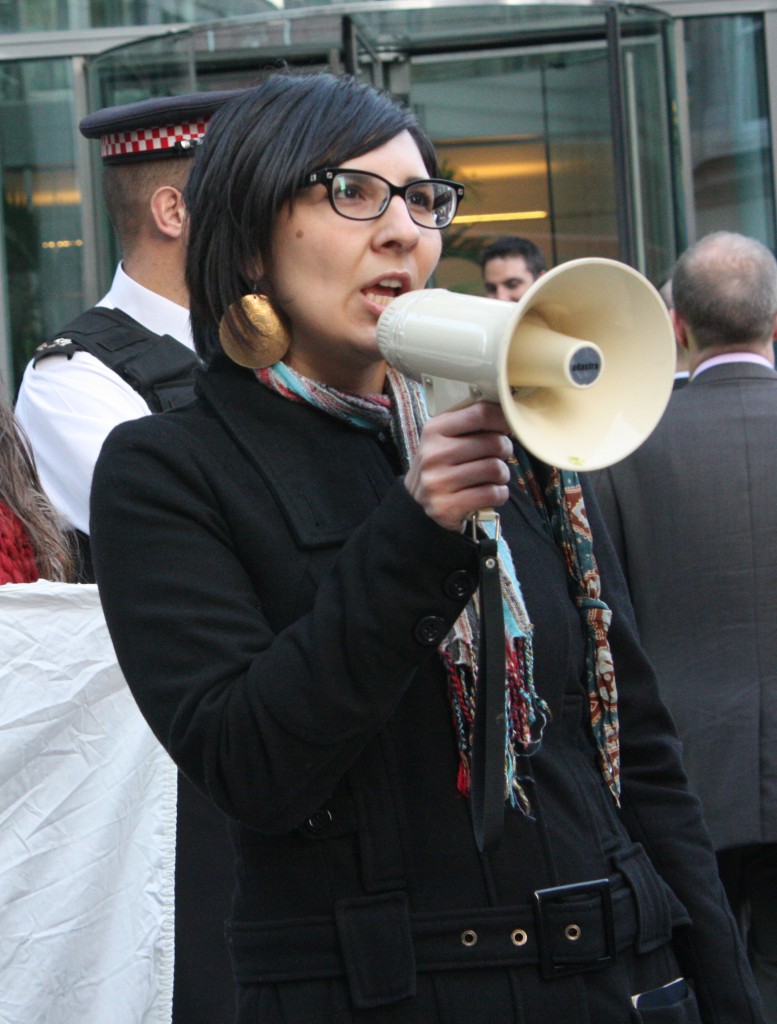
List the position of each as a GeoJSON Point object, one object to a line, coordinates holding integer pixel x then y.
{"type": "Point", "coordinates": [265, 723]}
{"type": "Point", "coordinates": [661, 813]}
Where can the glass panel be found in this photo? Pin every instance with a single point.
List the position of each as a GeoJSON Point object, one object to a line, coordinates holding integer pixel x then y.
{"type": "Point", "coordinates": [41, 203]}
{"type": "Point", "coordinates": [536, 162]}
{"type": "Point", "coordinates": [503, 25]}
{"type": "Point", "coordinates": [650, 153]}
{"type": "Point", "coordinates": [730, 138]}
{"type": "Point", "coordinates": [156, 67]}
{"type": "Point", "coordinates": [51, 15]}
{"type": "Point", "coordinates": [223, 56]}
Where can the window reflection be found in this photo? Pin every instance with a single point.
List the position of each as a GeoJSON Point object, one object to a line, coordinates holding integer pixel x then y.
{"type": "Point", "coordinates": [730, 138]}
{"type": "Point", "coordinates": [536, 162]}
{"type": "Point", "coordinates": [41, 203]}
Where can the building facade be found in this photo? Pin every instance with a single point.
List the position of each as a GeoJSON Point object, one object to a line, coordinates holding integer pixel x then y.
{"type": "Point", "coordinates": [594, 127]}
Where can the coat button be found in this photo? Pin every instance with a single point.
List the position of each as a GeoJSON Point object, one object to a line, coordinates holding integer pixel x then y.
{"type": "Point", "coordinates": [319, 822]}
{"type": "Point", "coordinates": [430, 630]}
{"type": "Point", "coordinates": [459, 584]}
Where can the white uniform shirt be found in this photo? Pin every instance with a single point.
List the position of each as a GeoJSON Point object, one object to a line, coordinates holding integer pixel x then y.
{"type": "Point", "coordinates": [68, 407]}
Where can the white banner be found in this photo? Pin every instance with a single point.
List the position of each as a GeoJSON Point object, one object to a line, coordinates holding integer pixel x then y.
{"type": "Point", "coordinates": [87, 823]}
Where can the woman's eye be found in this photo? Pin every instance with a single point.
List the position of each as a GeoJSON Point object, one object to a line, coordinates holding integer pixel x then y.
{"type": "Point", "coordinates": [349, 191]}
{"type": "Point", "coordinates": [421, 198]}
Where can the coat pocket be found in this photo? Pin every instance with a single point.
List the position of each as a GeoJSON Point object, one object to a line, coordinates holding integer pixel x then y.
{"type": "Point", "coordinates": [684, 1011]}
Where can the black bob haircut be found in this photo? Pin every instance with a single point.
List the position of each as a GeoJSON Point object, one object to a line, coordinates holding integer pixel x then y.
{"type": "Point", "coordinates": [256, 152]}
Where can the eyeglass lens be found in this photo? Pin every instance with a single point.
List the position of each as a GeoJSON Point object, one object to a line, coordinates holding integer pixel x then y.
{"type": "Point", "coordinates": [362, 196]}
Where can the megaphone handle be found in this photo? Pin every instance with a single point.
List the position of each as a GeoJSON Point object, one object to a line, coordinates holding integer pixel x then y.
{"type": "Point", "coordinates": [488, 739]}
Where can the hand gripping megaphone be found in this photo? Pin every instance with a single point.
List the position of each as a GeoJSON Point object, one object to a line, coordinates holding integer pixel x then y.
{"type": "Point", "coordinates": [582, 366]}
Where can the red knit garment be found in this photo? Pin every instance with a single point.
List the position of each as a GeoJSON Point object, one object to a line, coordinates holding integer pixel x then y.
{"type": "Point", "coordinates": [17, 558]}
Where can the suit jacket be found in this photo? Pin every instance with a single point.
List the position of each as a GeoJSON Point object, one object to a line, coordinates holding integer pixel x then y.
{"type": "Point", "coordinates": [693, 515]}
{"type": "Point", "coordinates": [276, 599]}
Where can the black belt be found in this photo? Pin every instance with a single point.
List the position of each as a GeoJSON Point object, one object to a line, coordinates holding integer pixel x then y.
{"type": "Point", "coordinates": [565, 930]}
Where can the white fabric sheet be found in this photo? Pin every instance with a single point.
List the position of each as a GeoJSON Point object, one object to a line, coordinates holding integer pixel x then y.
{"type": "Point", "coordinates": [87, 823]}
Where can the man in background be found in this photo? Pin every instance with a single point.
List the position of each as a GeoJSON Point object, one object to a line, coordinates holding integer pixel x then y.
{"type": "Point", "coordinates": [129, 356]}
{"type": "Point", "coordinates": [509, 266]}
{"type": "Point", "coordinates": [693, 515]}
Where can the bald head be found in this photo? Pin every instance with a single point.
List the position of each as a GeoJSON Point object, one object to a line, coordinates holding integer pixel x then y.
{"type": "Point", "coordinates": [725, 290]}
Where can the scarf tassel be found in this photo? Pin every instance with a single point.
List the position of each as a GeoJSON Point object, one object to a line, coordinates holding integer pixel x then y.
{"type": "Point", "coordinates": [525, 712]}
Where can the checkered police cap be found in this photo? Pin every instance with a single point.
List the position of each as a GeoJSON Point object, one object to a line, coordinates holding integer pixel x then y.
{"type": "Point", "coordinates": [166, 126]}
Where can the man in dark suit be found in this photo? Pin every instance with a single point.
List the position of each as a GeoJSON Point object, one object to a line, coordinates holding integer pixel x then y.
{"type": "Point", "coordinates": [693, 514]}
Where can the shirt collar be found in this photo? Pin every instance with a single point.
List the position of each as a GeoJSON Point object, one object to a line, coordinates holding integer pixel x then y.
{"type": "Point", "coordinates": [152, 311]}
{"type": "Point", "coordinates": [731, 357]}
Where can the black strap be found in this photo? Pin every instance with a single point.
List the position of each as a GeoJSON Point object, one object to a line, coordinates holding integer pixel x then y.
{"type": "Point", "coordinates": [157, 366]}
{"type": "Point", "coordinates": [488, 740]}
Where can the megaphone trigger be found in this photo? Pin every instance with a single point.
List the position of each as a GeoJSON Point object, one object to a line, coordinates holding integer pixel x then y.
{"type": "Point", "coordinates": [582, 366]}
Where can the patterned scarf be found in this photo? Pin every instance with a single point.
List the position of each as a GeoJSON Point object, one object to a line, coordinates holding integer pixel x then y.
{"type": "Point", "coordinates": [402, 410]}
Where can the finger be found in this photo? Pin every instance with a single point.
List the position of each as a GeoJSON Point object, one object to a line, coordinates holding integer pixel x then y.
{"type": "Point", "coordinates": [470, 448]}
{"type": "Point", "coordinates": [451, 510]}
{"type": "Point", "coordinates": [480, 416]}
{"type": "Point", "coordinates": [453, 477]}
{"type": "Point", "coordinates": [450, 493]}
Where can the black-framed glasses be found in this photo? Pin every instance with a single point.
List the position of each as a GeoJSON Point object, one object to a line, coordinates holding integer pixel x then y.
{"type": "Point", "coordinates": [361, 195]}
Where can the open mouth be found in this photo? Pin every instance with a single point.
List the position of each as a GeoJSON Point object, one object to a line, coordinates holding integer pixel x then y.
{"type": "Point", "coordinates": [382, 292]}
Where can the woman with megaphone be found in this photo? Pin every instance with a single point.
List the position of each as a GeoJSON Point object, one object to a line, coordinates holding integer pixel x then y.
{"type": "Point", "coordinates": [443, 808]}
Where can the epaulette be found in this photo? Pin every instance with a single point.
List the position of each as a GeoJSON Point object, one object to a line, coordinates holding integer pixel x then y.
{"type": "Point", "coordinates": [157, 366]}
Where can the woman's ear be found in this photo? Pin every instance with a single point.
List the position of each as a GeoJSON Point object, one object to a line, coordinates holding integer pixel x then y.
{"type": "Point", "coordinates": [253, 271]}
{"type": "Point", "coordinates": [168, 211]}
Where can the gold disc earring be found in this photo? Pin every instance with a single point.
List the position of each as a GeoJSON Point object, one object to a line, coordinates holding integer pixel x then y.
{"type": "Point", "coordinates": [252, 333]}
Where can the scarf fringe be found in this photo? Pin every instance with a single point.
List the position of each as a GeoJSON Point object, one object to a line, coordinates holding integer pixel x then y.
{"type": "Point", "coordinates": [525, 712]}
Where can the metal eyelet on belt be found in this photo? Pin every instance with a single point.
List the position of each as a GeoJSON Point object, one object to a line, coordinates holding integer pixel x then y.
{"type": "Point", "coordinates": [469, 937]}
{"type": "Point", "coordinates": [518, 937]}
{"type": "Point", "coordinates": [573, 932]}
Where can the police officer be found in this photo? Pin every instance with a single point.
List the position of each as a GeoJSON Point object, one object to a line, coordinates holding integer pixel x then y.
{"type": "Point", "coordinates": [130, 355]}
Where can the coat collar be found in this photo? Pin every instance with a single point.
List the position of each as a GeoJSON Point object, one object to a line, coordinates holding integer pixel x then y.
{"type": "Point", "coordinates": [734, 371]}
{"type": "Point", "coordinates": [326, 475]}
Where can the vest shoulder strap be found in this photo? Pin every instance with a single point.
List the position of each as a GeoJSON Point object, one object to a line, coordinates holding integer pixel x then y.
{"type": "Point", "coordinates": [158, 367]}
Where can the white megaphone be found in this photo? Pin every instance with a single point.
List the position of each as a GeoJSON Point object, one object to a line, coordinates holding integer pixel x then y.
{"type": "Point", "coordinates": [582, 366]}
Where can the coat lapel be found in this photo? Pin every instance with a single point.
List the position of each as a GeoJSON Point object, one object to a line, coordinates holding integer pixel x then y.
{"type": "Point", "coordinates": [325, 475]}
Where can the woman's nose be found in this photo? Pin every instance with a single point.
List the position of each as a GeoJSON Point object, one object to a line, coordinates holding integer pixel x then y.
{"type": "Point", "coordinates": [396, 226]}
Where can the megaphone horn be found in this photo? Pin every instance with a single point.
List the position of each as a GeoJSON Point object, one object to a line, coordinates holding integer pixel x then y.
{"type": "Point", "coordinates": [582, 366]}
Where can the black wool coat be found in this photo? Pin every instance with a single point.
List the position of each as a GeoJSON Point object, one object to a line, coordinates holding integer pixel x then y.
{"type": "Point", "coordinates": [276, 599]}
